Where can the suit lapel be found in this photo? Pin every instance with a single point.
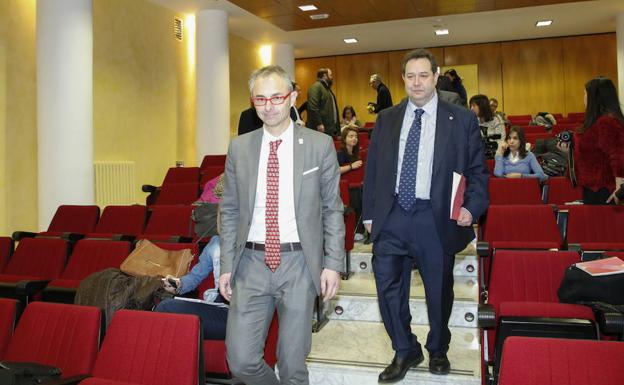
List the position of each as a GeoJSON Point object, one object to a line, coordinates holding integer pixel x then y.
{"type": "Point", "coordinates": [299, 149]}
{"type": "Point", "coordinates": [254, 159]}
{"type": "Point", "coordinates": [444, 128]}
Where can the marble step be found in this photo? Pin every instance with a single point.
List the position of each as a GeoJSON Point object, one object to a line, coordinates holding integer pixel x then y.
{"type": "Point", "coordinates": [466, 265]}
{"type": "Point", "coordinates": [353, 352]}
{"type": "Point", "coordinates": [357, 301]}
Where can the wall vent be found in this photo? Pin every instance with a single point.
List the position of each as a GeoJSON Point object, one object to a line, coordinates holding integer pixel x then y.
{"type": "Point", "coordinates": [177, 28]}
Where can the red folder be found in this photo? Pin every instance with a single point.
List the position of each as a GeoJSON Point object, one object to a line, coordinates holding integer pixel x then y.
{"type": "Point", "coordinates": [606, 266]}
{"type": "Point", "coordinates": [457, 194]}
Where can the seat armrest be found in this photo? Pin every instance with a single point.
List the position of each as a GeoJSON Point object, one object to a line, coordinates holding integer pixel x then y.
{"type": "Point", "coordinates": [73, 380]}
{"type": "Point", "coordinates": [180, 239]}
{"type": "Point", "coordinates": [611, 323]}
{"type": "Point", "coordinates": [19, 235]}
{"type": "Point", "coordinates": [123, 237]}
{"type": "Point", "coordinates": [486, 316]}
{"type": "Point", "coordinates": [72, 237]}
{"type": "Point", "coordinates": [28, 288]}
{"type": "Point", "coordinates": [483, 249]}
{"type": "Point", "coordinates": [148, 188]}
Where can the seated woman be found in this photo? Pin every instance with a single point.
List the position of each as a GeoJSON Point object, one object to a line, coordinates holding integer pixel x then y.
{"type": "Point", "coordinates": [349, 119]}
{"type": "Point", "coordinates": [494, 125]}
{"type": "Point", "coordinates": [349, 160]}
{"type": "Point", "coordinates": [512, 160]}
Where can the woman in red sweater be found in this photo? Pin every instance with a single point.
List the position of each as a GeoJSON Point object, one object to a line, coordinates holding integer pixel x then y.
{"type": "Point", "coordinates": [599, 144]}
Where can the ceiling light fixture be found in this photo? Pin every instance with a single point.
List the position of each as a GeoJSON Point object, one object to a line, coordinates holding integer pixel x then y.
{"type": "Point", "coordinates": [440, 32]}
{"type": "Point", "coordinates": [306, 8]}
{"type": "Point", "coordinates": [319, 16]}
{"type": "Point", "coordinates": [350, 40]}
{"type": "Point", "coordinates": [543, 23]}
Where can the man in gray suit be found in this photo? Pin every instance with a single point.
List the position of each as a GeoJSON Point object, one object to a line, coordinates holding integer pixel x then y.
{"type": "Point", "coordinates": [282, 234]}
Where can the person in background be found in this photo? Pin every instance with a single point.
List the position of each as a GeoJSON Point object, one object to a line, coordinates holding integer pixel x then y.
{"type": "Point", "coordinates": [480, 105]}
{"type": "Point", "coordinates": [512, 160]}
{"type": "Point", "coordinates": [446, 93]}
{"type": "Point", "coordinates": [458, 86]}
{"type": "Point", "coordinates": [322, 106]}
{"type": "Point", "coordinates": [384, 99]}
{"type": "Point", "coordinates": [294, 112]}
{"type": "Point", "coordinates": [248, 121]}
{"type": "Point", "coordinates": [494, 108]}
{"type": "Point", "coordinates": [599, 144]}
{"type": "Point", "coordinates": [349, 119]}
{"type": "Point", "coordinates": [349, 160]}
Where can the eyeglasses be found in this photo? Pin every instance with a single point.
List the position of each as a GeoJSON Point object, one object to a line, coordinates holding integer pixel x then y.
{"type": "Point", "coordinates": [275, 100]}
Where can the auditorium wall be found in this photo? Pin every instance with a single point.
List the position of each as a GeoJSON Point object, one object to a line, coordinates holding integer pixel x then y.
{"type": "Point", "coordinates": [526, 76]}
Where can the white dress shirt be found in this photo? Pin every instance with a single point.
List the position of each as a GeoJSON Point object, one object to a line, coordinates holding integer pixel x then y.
{"type": "Point", "coordinates": [286, 211]}
{"type": "Point", "coordinates": [425, 148]}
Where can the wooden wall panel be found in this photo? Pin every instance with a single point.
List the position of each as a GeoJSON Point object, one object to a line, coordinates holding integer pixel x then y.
{"type": "Point", "coordinates": [305, 74]}
{"type": "Point", "coordinates": [488, 59]}
{"type": "Point", "coordinates": [584, 58]}
{"type": "Point", "coordinates": [354, 72]}
{"type": "Point", "coordinates": [533, 76]}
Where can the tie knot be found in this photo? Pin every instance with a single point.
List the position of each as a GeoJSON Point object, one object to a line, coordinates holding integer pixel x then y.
{"type": "Point", "coordinates": [419, 112]}
{"type": "Point", "coordinates": [275, 144]}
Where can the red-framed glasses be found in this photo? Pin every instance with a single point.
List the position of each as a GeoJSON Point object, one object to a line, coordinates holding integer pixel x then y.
{"type": "Point", "coordinates": [275, 100]}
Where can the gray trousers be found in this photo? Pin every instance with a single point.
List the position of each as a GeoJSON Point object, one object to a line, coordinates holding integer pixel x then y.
{"type": "Point", "coordinates": [256, 293]}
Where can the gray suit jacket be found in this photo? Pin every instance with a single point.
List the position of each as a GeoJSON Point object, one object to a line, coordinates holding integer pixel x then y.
{"type": "Point", "coordinates": [318, 207]}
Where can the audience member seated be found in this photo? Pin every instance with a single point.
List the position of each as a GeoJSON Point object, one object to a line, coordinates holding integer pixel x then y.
{"type": "Point", "coordinates": [494, 108]}
{"type": "Point", "coordinates": [349, 119]}
{"type": "Point", "coordinates": [514, 161]}
{"type": "Point", "coordinates": [598, 155]}
{"type": "Point", "coordinates": [446, 91]}
{"type": "Point", "coordinates": [493, 126]}
{"type": "Point", "coordinates": [458, 86]}
{"type": "Point", "coordinates": [213, 310]}
{"type": "Point", "coordinates": [349, 160]}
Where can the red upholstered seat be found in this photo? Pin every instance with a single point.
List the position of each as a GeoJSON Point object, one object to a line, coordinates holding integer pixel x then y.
{"type": "Point", "coordinates": [124, 220]}
{"type": "Point", "coordinates": [560, 191]}
{"type": "Point", "coordinates": [212, 160]}
{"type": "Point", "coordinates": [520, 191]}
{"type": "Point", "coordinates": [150, 348]}
{"type": "Point", "coordinates": [61, 335]}
{"type": "Point", "coordinates": [8, 314]}
{"type": "Point", "coordinates": [181, 175]}
{"type": "Point", "coordinates": [210, 172]}
{"type": "Point", "coordinates": [354, 177]}
{"type": "Point", "coordinates": [167, 221]}
{"type": "Point", "coordinates": [6, 250]}
{"type": "Point", "coordinates": [596, 227]}
{"type": "Point", "coordinates": [101, 381]}
{"type": "Point", "coordinates": [538, 361]}
{"type": "Point", "coordinates": [42, 258]}
{"type": "Point", "coordinates": [520, 120]}
{"type": "Point", "coordinates": [73, 219]}
{"type": "Point", "coordinates": [178, 194]}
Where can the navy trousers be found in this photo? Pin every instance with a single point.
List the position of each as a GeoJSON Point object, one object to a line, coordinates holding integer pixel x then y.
{"type": "Point", "coordinates": [408, 237]}
{"type": "Point", "coordinates": [213, 318]}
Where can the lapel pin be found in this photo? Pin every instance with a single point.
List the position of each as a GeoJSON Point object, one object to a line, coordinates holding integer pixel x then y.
{"type": "Point", "coordinates": [450, 118]}
{"type": "Point", "coordinates": [300, 140]}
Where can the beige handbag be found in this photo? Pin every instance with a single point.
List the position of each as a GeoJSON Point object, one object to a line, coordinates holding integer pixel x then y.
{"type": "Point", "coordinates": [147, 259]}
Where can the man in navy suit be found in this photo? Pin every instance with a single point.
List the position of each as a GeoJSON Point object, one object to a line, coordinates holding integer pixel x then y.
{"type": "Point", "coordinates": [416, 147]}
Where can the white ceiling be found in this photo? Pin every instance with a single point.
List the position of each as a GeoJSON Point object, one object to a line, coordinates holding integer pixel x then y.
{"type": "Point", "coordinates": [577, 18]}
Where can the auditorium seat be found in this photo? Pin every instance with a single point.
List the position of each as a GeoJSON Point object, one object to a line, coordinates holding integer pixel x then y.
{"type": "Point", "coordinates": [169, 223]}
{"type": "Point", "coordinates": [534, 129]}
{"type": "Point", "coordinates": [36, 261]}
{"type": "Point", "coordinates": [576, 116]}
{"type": "Point", "coordinates": [6, 250]}
{"type": "Point", "coordinates": [181, 175]}
{"type": "Point", "coordinates": [594, 228]}
{"type": "Point", "coordinates": [210, 172]}
{"type": "Point", "coordinates": [178, 194]}
{"type": "Point", "coordinates": [69, 221]}
{"type": "Point", "coordinates": [120, 222]}
{"type": "Point", "coordinates": [519, 120]}
{"type": "Point", "coordinates": [150, 348]}
{"type": "Point", "coordinates": [213, 160]}
{"type": "Point", "coordinates": [518, 191]}
{"type": "Point", "coordinates": [522, 300]}
{"type": "Point", "coordinates": [61, 335]}
{"type": "Point", "coordinates": [559, 191]}
{"type": "Point", "coordinates": [532, 138]}
{"type": "Point", "coordinates": [490, 163]}
{"type": "Point", "coordinates": [89, 256]}
{"type": "Point", "coordinates": [355, 177]}
{"type": "Point", "coordinates": [8, 318]}
{"type": "Point", "coordinates": [538, 361]}
{"type": "Point", "coordinates": [363, 140]}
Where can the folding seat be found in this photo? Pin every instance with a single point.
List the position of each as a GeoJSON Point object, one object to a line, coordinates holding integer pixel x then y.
{"type": "Point", "coordinates": [150, 348]}
{"type": "Point", "coordinates": [8, 318]}
{"type": "Point", "coordinates": [537, 361]}
{"type": "Point", "coordinates": [364, 154]}
{"type": "Point", "coordinates": [61, 335]}
{"type": "Point", "coordinates": [369, 125]}
{"type": "Point", "coordinates": [557, 116]}
{"type": "Point", "coordinates": [558, 190]}
{"type": "Point", "coordinates": [534, 129]}
{"type": "Point", "coordinates": [178, 194]}
{"type": "Point", "coordinates": [69, 221]}
{"type": "Point", "coordinates": [519, 120]}
{"type": "Point", "coordinates": [363, 140]}
{"type": "Point", "coordinates": [520, 191]}
{"type": "Point", "coordinates": [594, 228]}
{"type": "Point", "coordinates": [576, 116]}
{"type": "Point", "coordinates": [36, 261]}
{"type": "Point", "coordinates": [6, 250]}
{"type": "Point", "coordinates": [337, 144]}
{"type": "Point", "coordinates": [212, 160]}
{"type": "Point", "coordinates": [532, 138]}
{"type": "Point", "coordinates": [169, 223]}
{"type": "Point", "coordinates": [181, 175]}
{"type": "Point", "coordinates": [89, 256]}
{"type": "Point", "coordinates": [210, 172]}
{"type": "Point", "coordinates": [522, 300]}
{"type": "Point", "coordinates": [120, 222]}
{"type": "Point", "coordinates": [490, 163]}
{"type": "Point", "coordinates": [355, 177]}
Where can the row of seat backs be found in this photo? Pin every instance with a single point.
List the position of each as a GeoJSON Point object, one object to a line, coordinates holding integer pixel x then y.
{"type": "Point", "coordinates": [167, 344]}
{"type": "Point", "coordinates": [527, 191]}
{"type": "Point", "coordinates": [211, 166]}
{"type": "Point", "coordinates": [573, 117]}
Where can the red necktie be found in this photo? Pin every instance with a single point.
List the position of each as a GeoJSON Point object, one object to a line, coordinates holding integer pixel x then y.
{"type": "Point", "coordinates": [272, 242]}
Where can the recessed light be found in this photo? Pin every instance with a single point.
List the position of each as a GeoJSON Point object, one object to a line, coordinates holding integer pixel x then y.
{"type": "Point", "coordinates": [440, 32]}
{"type": "Point", "coordinates": [306, 8]}
{"type": "Point", "coordinates": [319, 16]}
{"type": "Point", "coordinates": [543, 23]}
{"type": "Point", "coordinates": [350, 40]}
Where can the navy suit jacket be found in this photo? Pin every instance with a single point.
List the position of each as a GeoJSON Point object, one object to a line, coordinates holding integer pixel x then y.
{"type": "Point", "coordinates": [458, 148]}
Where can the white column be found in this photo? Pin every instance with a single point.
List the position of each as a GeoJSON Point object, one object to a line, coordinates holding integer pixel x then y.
{"type": "Point", "coordinates": [212, 134]}
{"type": "Point", "coordinates": [284, 56]}
{"type": "Point", "coordinates": [64, 105]}
{"type": "Point", "coordinates": [619, 29]}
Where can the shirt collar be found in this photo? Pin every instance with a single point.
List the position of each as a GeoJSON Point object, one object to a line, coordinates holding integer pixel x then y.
{"type": "Point", "coordinates": [287, 134]}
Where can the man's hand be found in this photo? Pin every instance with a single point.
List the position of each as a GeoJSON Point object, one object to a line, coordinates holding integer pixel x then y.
{"type": "Point", "coordinates": [330, 280]}
{"type": "Point", "coordinates": [501, 149]}
{"type": "Point", "coordinates": [224, 285]}
{"type": "Point", "coordinates": [464, 218]}
{"type": "Point", "coordinates": [563, 146]}
{"type": "Point", "coordinates": [320, 128]}
{"type": "Point", "coordinates": [357, 164]}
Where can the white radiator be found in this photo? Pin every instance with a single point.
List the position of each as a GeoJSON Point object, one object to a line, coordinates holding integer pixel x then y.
{"type": "Point", "coordinates": [114, 183]}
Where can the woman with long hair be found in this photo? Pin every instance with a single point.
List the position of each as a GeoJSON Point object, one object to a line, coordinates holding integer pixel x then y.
{"type": "Point", "coordinates": [349, 160]}
{"type": "Point", "coordinates": [599, 144]}
{"type": "Point", "coordinates": [480, 105]}
{"type": "Point", "coordinates": [458, 86]}
{"type": "Point", "coordinates": [512, 160]}
{"type": "Point", "coordinates": [349, 119]}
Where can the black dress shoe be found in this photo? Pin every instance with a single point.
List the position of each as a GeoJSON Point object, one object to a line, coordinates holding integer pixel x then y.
{"type": "Point", "coordinates": [439, 364]}
{"type": "Point", "coordinates": [399, 366]}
